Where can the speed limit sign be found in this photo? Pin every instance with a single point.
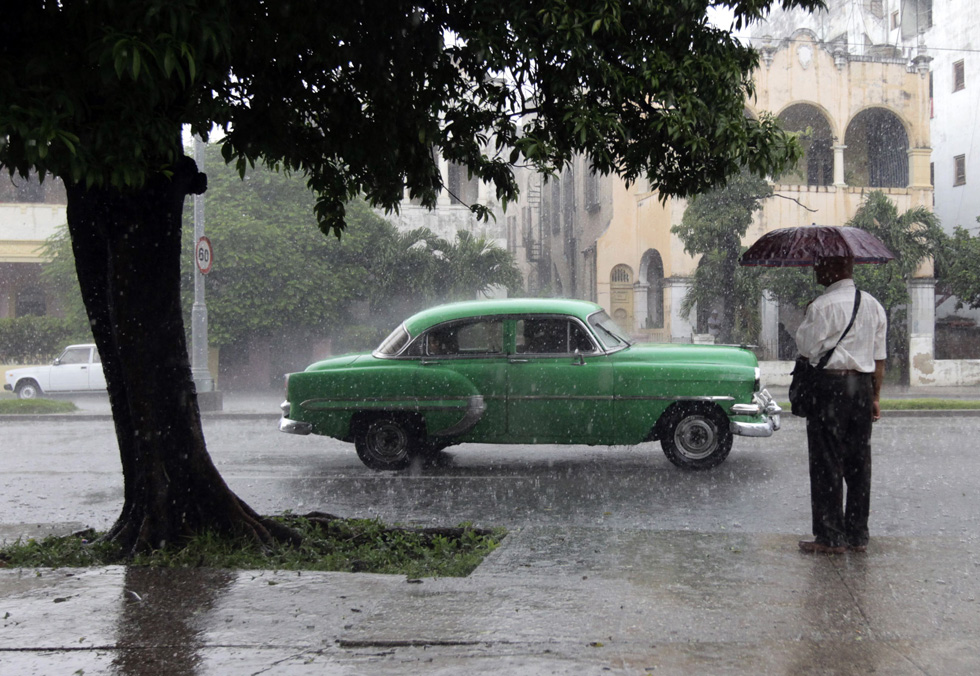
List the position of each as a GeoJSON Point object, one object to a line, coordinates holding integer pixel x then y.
{"type": "Point", "coordinates": [204, 255]}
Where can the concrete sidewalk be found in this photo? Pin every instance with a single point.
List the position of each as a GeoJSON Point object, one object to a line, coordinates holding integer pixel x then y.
{"type": "Point", "coordinates": [550, 600]}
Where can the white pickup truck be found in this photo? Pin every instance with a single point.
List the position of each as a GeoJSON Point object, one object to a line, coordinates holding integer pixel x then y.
{"type": "Point", "coordinates": [78, 369]}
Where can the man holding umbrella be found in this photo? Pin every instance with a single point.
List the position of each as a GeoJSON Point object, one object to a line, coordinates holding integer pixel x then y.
{"type": "Point", "coordinates": [848, 390]}
{"type": "Point", "coordinates": [851, 326]}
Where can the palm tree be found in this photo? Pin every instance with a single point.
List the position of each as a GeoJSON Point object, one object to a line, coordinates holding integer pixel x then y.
{"type": "Point", "coordinates": [476, 265]}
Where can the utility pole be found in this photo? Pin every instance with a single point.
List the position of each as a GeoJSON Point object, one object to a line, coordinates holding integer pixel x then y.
{"type": "Point", "coordinates": [208, 398]}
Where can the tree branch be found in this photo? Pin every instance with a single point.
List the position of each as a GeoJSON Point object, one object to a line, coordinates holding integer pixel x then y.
{"type": "Point", "coordinates": [793, 199]}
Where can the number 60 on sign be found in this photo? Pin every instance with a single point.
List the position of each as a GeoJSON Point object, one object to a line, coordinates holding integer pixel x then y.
{"type": "Point", "coordinates": [204, 255]}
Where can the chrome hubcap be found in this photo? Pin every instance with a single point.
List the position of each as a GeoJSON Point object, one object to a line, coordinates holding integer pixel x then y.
{"type": "Point", "coordinates": [696, 437]}
{"type": "Point", "coordinates": [387, 441]}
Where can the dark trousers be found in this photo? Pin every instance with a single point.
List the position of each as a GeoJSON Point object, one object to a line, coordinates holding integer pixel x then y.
{"type": "Point", "coordinates": [839, 440]}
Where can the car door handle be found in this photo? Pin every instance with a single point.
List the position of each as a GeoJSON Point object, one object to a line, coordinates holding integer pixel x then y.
{"type": "Point", "coordinates": [518, 361]}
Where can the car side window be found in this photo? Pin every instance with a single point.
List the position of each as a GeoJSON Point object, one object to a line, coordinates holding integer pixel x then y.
{"type": "Point", "coordinates": [552, 335]}
{"type": "Point", "coordinates": [466, 339]}
{"type": "Point", "coordinates": [78, 355]}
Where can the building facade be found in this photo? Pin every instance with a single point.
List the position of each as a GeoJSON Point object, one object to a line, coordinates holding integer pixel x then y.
{"type": "Point", "coordinates": [452, 212]}
{"type": "Point", "coordinates": [30, 213]}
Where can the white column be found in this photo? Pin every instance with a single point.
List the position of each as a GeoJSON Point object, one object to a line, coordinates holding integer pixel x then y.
{"type": "Point", "coordinates": [681, 327]}
{"type": "Point", "coordinates": [922, 331]}
{"type": "Point", "coordinates": [641, 307]}
{"type": "Point", "coordinates": [839, 165]}
{"type": "Point", "coordinates": [769, 321]}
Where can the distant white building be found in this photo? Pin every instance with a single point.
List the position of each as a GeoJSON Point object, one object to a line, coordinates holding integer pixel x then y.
{"type": "Point", "coordinates": [452, 212]}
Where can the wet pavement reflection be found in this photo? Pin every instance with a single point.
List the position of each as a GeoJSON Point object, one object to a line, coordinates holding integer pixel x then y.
{"type": "Point", "coordinates": [163, 619]}
{"type": "Point", "coordinates": [551, 600]}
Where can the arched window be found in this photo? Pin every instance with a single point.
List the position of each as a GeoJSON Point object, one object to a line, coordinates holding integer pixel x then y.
{"type": "Point", "coordinates": [877, 150]}
{"type": "Point", "coordinates": [621, 296]}
{"type": "Point", "coordinates": [463, 188]}
{"type": "Point", "coordinates": [653, 266]}
{"type": "Point", "coordinates": [816, 167]}
{"type": "Point", "coordinates": [621, 274]}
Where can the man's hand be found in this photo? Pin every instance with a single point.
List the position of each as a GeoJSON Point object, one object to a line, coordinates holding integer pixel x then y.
{"type": "Point", "coordinates": [879, 378]}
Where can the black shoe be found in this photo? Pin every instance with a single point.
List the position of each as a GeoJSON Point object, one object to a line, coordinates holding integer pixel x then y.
{"type": "Point", "coordinates": [814, 547]}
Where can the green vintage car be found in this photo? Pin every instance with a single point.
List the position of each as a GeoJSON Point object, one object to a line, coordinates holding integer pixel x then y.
{"type": "Point", "coordinates": [529, 371]}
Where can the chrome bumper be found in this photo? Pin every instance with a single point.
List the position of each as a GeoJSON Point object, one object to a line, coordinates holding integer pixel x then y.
{"type": "Point", "coordinates": [292, 426]}
{"type": "Point", "coordinates": [763, 404]}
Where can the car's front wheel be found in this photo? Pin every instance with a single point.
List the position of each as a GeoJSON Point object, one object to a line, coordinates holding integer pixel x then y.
{"type": "Point", "coordinates": [28, 389]}
{"type": "Point", "coordinates": [696, 435]}
{"type": "Point", "coordinates": [386, 442]}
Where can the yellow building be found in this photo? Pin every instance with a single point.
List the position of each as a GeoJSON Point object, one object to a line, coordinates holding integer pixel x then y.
{"type": "Point", "coordinates": [30, 213]}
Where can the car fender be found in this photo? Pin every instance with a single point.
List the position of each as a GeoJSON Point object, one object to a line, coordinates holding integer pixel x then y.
{"type": "Point", "coordinates": [646, 388]}
{"type": "Point", "coordinates": [334, 400]}
{"type": "Point", "coordinates": [39, 374]}
{"type": "Point", "coordinates": [449, 401]}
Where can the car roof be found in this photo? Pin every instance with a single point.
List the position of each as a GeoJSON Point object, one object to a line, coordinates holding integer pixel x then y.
{"type": "Point", "coordinates": [499, 306]}
{"type": "Point", "coordinates": [68, 347]}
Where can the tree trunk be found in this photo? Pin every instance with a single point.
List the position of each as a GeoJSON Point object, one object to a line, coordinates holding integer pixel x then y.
{"type": "Point", "coordinates": [127, 255]}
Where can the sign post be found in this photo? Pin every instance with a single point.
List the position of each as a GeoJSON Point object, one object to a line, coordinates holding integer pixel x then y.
{"type": "Point", "coordinates": [204, 254]}
{"type": "Point", "coordinates": [208, 399]}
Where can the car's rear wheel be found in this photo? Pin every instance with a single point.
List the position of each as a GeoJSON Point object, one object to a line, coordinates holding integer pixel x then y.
{"type": "Point", "coordinates": [28, 389]}
{"type": "Point", "coordinates": [696, 435]}
{"type": "Point", "coordinates": [386, 442]}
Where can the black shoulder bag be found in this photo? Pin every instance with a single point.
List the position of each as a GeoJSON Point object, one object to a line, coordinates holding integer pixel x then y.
{"type": "Point", "coordinates": [802, 389]}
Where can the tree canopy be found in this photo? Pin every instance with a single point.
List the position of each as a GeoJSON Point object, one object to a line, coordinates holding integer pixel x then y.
{"type": "Point", "coordinates": [91, 91]}
{"type": "Point", "coordinates": [960, 271]}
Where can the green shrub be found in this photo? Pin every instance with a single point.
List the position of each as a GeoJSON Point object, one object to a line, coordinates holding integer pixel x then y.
{"type": "Point", "coordinates": [36, 340]}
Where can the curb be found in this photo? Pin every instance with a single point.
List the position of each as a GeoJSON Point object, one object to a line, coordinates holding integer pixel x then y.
{"type": "Point", "coordinates": [62, 417]}
{"type": "Point", "coordinates": [273, 417]}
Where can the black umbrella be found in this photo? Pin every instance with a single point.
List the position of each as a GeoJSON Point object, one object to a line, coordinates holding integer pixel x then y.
{"type": "Point", "coordinates": [802, 246]}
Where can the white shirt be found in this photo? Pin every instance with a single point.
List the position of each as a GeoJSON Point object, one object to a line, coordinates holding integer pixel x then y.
{"type": "Point", "coordinates": [825, 321]}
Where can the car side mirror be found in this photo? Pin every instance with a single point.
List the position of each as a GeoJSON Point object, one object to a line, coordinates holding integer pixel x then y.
{"type": "Point", "coordinates": [57, 362]}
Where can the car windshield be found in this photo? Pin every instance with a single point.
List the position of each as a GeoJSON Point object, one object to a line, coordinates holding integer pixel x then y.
{"type": "Point", "coordinates": [75, 355]}
{"type": "Point", "coordinates": [608, 331]}
{"type": "Point", "coordinates": [395, 342]}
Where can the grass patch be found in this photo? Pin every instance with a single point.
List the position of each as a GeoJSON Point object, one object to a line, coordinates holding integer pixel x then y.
{"type": "Point", "coordinates": [35, 406]}
{"type": "Point", "coordinates": [928, 404]}
{"type": "Point", "coordinates": [329, 544]}
{"type": "Point", "coordinates": [917, 405]}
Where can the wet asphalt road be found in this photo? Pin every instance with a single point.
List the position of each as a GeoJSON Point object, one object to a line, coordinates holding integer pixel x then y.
{"type": "Point", "coordinates": [925, 476]}
{"type": "Point", "coordinates": [616, 562]}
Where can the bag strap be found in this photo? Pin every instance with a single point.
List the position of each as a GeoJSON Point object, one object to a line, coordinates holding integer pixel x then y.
{"type": "Point", "coordinates": [857, 303]}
